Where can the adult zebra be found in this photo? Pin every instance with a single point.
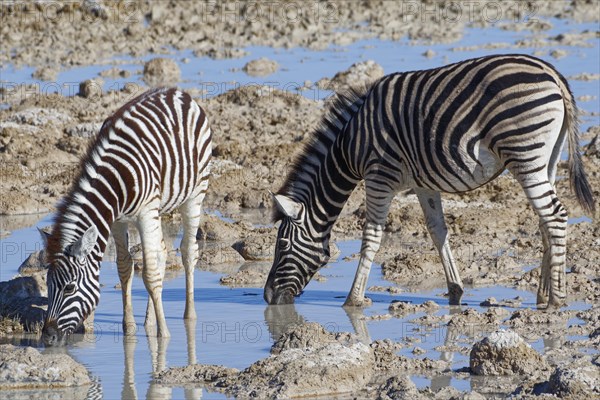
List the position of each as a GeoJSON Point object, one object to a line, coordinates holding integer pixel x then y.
{"type": "Point", "coordinates": [449, 129]}
{"type": "Point", "coordinates": [149, 158]}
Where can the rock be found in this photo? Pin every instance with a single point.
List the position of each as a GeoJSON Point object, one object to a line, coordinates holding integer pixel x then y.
{"type": "Point", "coordinates": [304, 336]}
{"type": "Point", "coordinates": [214, 228]}
{"type": "Point", "coordinates": [402, 308]}
{"type": "Point", "coordinates": [10, 326]}
{"type": "Point", "coordinates": [307, 361]}
{"type": "Point", "coordinates": [257, 246]}
{"type": "Point", "coordinates": [23, 299]}
{"type": "Point", "coordinates": [252, 274]}
{"type": "Point", "coordinates": [91, 88]}
{"type": "Point", "coordinates": [161, 72]}
{"type": "Point", "coordinates": [84, 130]}
{"type": "Point", "coordinates": [577, 381]}
{"type": "Point", "coordinates": [389, 289]}
{"type": "Point", "coordinates": [34, 263]}
{"type": "Point", "coordinates": [399, 388]}
{"type": "Point", "coordinates": [45, 74]}
{"type": "Point", "coordinates": [219, 255]}
{"type": "Point", "coordinates": [42, 117]}
{"type": "Point", "coordinates": [361, 73]}
{"type": "Point", "coordinates": [505, 353]}
{"type": "Point", "coordinates": [195, 373]}
{"type": "Point", "coordinates": [558, 54]}
{"type": "Point", "coordinates": [471, 318]}
{"type": "Point", "coordinates": [331, 369]}
{"type": "Point", "coordinates": [527, 317]}
{"type": "Point", "coordinates": [26, 367]}
{"type": "Point", "coordinates": [429, 53]}
{"type": "Point", "coordinates": [261, 67]}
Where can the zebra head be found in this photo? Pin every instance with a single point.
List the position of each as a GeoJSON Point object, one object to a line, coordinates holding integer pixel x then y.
{"type": "Point", "coordinates": [299, 252]}
{"type": "Point", "coordinates": [73, 288]}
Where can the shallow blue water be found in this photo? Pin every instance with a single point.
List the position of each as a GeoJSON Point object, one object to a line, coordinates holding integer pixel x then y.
{"type": "Point", "coordinates": [235, 328]}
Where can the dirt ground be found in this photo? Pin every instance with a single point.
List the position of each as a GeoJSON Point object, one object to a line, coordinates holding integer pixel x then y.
{"type": "Point", "coordinates": [257, 129]}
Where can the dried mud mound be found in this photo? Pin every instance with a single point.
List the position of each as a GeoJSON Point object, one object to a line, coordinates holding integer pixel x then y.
{"type": "Point", "coordinates": [309, 361]}
{"type": "Point", "coordinates": [25, 367]}
{"type": "Point", "coordinates": [505, 353]}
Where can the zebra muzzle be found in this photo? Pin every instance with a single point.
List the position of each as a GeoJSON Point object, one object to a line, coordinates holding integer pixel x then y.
{"type": "Point", "coordinates": [51, 335]}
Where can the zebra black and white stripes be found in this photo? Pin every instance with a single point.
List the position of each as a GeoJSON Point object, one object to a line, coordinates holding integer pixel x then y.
{"type": "Point", "coordinates": [150, 157]}
{"type": "Point", "coordinates": [450, 129]}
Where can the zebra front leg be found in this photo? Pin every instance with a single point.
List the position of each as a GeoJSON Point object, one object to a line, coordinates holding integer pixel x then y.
{"type": "Point", "coordinates": [162, 264]}
{"type": "Point", "coordinates": [153, 273]}
{"type": "Point", "coordinates": [191, 212]}
{"type": "Point", "coordinates": [125, 268]}
{"type": "Point", "coordinates": [431, 203]}
{"type": "Point", "coordinates": [372, 234]}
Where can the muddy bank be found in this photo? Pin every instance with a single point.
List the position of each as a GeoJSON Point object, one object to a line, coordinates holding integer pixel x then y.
{"type": "Point", "coordinates": [307, 360]}
{"type": "Point", "coordinates": [26, 368]}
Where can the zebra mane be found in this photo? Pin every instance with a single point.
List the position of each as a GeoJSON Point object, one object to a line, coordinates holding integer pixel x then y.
{"type": "Point", "coordinates": [54, 245]}
{"type": "Point", "coordinates": [333, 124]}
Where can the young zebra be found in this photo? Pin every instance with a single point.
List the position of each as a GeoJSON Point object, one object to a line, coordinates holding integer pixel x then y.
{"type": "Point", "coordinates": [151, 157]}
{"type": "Point", "coordinates": [448, 129]}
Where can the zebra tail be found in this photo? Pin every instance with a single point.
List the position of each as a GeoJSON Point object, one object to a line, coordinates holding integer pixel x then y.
{"type": "Point", "coordinates": [577, 175]}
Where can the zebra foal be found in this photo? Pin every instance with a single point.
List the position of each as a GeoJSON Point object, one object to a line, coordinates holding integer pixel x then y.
{"type": "Point", "coordinates": [449, 129]}
{"type": "Point", "coordinates": [150, 157]}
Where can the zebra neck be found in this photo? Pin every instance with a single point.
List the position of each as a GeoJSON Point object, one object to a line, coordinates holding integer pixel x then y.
{"type": "Point", "coordinates": [79, 211]}
{"type": "Point", "coordinates": [333, 186]}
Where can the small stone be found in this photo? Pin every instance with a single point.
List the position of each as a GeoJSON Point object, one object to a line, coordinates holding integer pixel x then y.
{"type": "Point", "coordinates": [505, 353]}
{"type": "Point", "coordinates": [161, 72]}
{"type": "Point", "coordinates": [45, 74]}
{"type": "Point", "coordinates": [261, 67]}
{"type": "Point", "coordinates": [429, 53]}
{"type": "Point", "coordinates": [575, 382]}
{"type": "Point", "coordinates": [91, 88]}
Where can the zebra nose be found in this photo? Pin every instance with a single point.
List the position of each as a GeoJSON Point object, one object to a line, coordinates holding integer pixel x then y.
{"type": "Point", "coordinates": [50, 335]}
{"type": "Point", "coordinates": [268, 294]}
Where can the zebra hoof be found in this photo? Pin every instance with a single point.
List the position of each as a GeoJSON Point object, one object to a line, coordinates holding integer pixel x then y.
{"type": "Point", "coordinates": [129, 328]}
{"type": "Point", "coordinates": [556, 302]}
{"type": "Point", "coordinates": [353, 302]}
{"type": "Point", "coordinates": [455, 292]}
{"type": "Point", "coordinates": [542, 301]}
{"type": "Point", "coordinates": [190, 315]}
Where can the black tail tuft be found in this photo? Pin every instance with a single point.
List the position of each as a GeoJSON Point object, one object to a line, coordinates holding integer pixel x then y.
{"type": "Point", "coordinates": [583, 191]}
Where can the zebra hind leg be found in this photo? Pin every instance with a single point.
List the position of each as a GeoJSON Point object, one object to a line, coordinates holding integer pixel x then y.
{"type": "Point", "coordinates": [431, 203]}
{"type": "Point", "coordinates": [553, 226]}
{"type": "Point", "coordinates": [191, 213]}
{"type": "Point", "coordinates": [125, 268]}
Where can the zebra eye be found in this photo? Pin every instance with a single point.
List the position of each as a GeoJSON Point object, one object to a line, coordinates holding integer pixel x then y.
{"type": "Point", "coordinates": [70, 289]}
{"type": "Point", "coordinates": [285, 244]}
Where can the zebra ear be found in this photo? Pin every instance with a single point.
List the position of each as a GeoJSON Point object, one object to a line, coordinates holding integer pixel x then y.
{"type": "Point", "coordinates": [287, 206]}
{"type": "Point", "coordinates": [85, 244]}
{"type": "Point", "coordinates": [44, 235]}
